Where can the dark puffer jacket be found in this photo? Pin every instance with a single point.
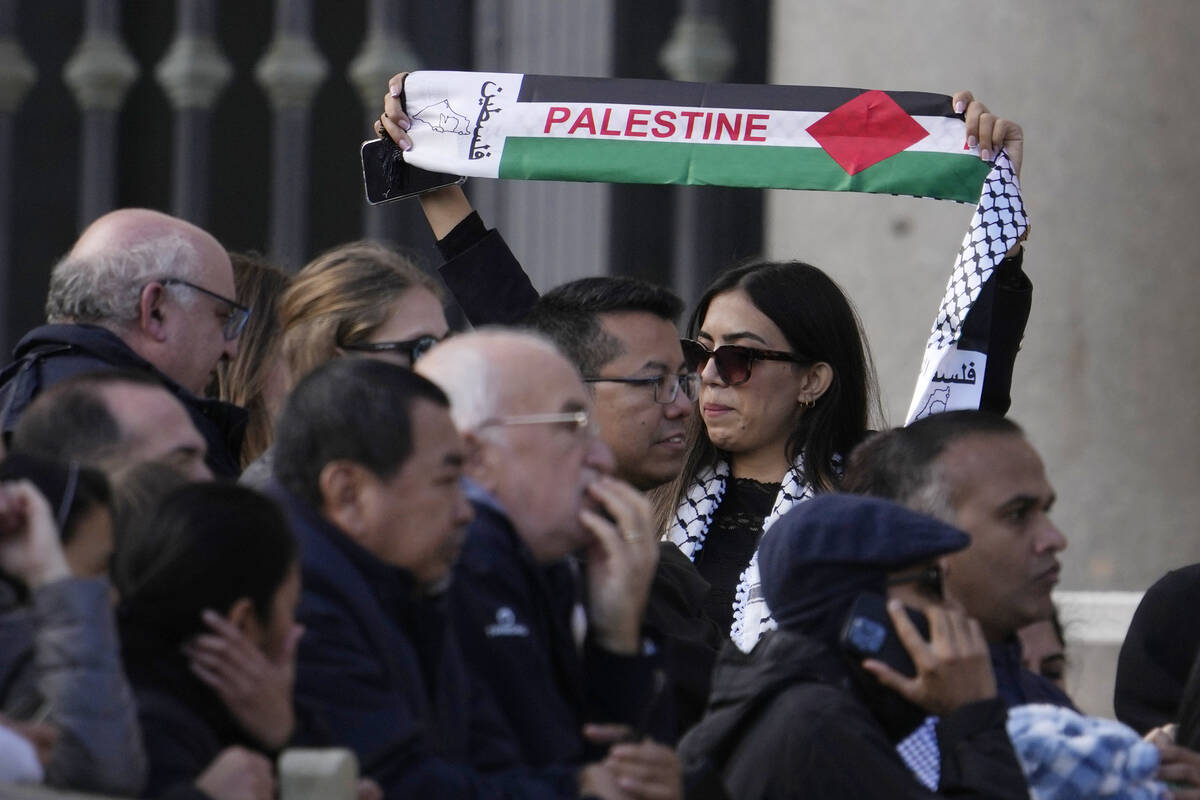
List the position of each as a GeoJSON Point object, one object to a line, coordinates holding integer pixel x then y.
{"type": "Point", "coordinates": [60, 653]}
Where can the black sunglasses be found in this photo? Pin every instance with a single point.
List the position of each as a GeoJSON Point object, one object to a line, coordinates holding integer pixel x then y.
{"type": "Point", "coordinates": [733, 361]}
{"type": "Point", "coordinates": [928, 580]}
{"type": "Point", "coordinates": [412, 348]}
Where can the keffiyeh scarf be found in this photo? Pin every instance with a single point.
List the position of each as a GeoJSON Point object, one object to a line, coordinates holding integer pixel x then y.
{"type": "Point", "coordinates": [751, 617]}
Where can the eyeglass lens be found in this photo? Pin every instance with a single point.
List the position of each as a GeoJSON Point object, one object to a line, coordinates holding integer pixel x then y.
{"type": "Point", "coordinates": [732, 362]}
{"type": "Point", "coordinates": [667, 389]}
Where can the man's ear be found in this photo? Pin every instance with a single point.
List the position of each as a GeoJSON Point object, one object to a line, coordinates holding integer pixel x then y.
{"type": "Point", "coordinates": [152, 311]}
{"type": "Point", "coordinates": [241, 615]}
{"type": "Point", "coordinates": [483, 460]}
{"type": "Point", "coordinates": [816, 381]}
{"type": "Point", "coordinates": [342, 484]}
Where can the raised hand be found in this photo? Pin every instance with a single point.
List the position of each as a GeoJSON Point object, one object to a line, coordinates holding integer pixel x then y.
{"type": "Point", "coordinates": [255, 689]}
{"type": "Point", "coordinates": [30, 548]}
{"type": "Point", "coordinates": [620, 564]}
{"type": "Point", "coordinates": [989, 131]}
{"type": "Point", "coordinates": [953, 667]}
{"type": "Point", "coordinates": [393, 122]}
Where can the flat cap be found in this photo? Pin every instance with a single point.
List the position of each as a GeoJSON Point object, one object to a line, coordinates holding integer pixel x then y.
{"type": "Point", "coordinates": [817, 557]}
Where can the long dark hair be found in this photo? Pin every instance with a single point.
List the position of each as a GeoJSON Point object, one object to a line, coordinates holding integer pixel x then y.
{"type": "Point", "coordinates": [207, 546]}
{"type": "Point", "coordinates": [820, 324]}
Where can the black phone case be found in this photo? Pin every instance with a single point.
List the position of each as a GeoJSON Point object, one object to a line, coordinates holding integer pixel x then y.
{"type": "Point", "coordinates": [868, 633]}
{"type": "Point", "coordinates": [388, 177]}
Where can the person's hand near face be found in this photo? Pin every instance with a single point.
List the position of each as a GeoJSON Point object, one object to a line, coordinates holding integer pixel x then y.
{"type": "Point", "coordinates": [30, 549]}
{"type": "Point", "coordinates": [254, 679]}
{"type": "Point", "coordinates": [620, 564]}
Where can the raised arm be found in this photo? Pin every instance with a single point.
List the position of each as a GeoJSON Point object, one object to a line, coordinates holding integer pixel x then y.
{"type": "Point", "coordinates": [481, 271]}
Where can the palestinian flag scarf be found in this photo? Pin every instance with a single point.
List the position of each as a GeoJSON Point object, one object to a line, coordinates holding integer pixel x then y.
{"type": "Point", "coordinates": [539, 127]}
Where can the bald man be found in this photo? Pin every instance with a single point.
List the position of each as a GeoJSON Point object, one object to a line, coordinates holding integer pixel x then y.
{"type": "Point", "coordinates": [139, 290]}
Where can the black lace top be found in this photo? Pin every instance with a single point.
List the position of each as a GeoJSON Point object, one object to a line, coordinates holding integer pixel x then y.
{"type": "Point", "coordinates": [732, 538]}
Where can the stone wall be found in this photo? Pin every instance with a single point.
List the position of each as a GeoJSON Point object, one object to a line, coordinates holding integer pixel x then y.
{"type": "Point", "coordinates": [1108, 380]}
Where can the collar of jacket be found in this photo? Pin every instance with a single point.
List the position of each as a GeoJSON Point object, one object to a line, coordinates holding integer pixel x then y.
{"type": "Point", "coordinates": [104, 345]}
{"type": "Point", "coordinates": [94, 340]}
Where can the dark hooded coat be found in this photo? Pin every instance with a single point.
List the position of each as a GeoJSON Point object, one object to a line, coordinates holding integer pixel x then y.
{"type": "Point", "coordinates": [784, 722]}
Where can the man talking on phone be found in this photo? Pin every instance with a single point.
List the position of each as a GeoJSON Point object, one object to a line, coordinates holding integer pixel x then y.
{"type": "Point", "coordinates": [817, 708]}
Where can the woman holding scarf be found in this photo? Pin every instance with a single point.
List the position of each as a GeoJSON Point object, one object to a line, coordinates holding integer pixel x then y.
{"type": "Point", "coordinates": [786, 382]}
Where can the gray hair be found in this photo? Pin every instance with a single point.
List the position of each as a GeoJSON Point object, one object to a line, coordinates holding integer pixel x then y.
{"type": "Point", "coordinates": [467, 370]}
{"type": "Point", "coordinates": [106, 286]}
{"type": "Point", "coordinates": [902, 464]}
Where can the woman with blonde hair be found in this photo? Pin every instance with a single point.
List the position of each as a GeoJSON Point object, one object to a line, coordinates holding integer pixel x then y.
{"type": "Point", "coordinates": [358, 299]}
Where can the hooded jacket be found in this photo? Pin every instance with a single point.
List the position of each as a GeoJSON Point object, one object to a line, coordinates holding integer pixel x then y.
{"type": "Point", "coordinates": [52, 353]}
{"type": "Point", "coordinates": [785, 722]}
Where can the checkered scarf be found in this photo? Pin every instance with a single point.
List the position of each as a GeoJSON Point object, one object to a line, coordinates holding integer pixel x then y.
{"type": "Point", "coordinates": [1065, 754]}
{"type": "Point", "coordinates": [751, 617]}
{"type": "Point", "coordinates": [951, 375]}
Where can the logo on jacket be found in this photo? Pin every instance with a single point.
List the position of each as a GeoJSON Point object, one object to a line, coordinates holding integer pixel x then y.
{"type": "Point", "coordinates": [506, 624]}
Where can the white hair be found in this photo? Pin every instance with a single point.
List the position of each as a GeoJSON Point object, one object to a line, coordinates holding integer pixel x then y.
{"type": "Point", "coordinates": [106, 286]}
{"type": "Point", "coordinates": [469, 368]}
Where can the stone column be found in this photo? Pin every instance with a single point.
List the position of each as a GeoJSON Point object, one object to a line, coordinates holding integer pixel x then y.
{"type": "Point", "coordinates": [698, 50]}
{"type": "Point", "coordinates": [385, 52]}
{"type": "Point", "coordinates": [560, 231]}
{"type": "Point", "coordinates": [290, 72]}
{"type": "Point", "coordinates": [17, 76]}
{"type": "Point", "coordinates": [193, 73]}
{"type": "Point", "coordinates": [99, 74]}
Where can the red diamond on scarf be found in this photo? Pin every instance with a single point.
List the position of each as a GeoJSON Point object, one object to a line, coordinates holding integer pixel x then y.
{"type": "Point", "coordinates": [865, 131]}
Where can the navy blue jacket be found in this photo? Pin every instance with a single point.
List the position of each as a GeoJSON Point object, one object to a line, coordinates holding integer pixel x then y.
{"type": "Point", "coordinates": [513, 617]}
{"type": "Point", "coordinates": [52, 353]}
{"type": "Point", "coordinates": [379, 669]}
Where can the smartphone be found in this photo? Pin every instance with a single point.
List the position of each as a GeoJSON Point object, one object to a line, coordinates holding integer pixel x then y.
{"type": "Point", "coordinates": [868, 633]}
{"type": "Point", "coordinates": [388, 177]}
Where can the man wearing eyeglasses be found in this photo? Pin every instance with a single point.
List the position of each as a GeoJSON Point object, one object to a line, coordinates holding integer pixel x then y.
{"type": "Point", "coordinates": [556, 641]}
{"type": "Point", "coordinates": [145, 291]}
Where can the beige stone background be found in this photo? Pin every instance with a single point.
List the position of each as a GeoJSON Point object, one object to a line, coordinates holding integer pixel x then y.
{"type": "Point", "coordinates": [1107, 383]}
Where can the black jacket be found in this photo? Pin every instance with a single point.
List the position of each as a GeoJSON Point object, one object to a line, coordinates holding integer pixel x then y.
{"type": "Point", "coordinates": [785, 722]}
{"type": "Point", "coordinates": [1159, 650]}
{"type": "Point", "coordinates": [380, 670]}
{"type": "Point", "coordinates": [51, 353]}
{"type": "Point", "coordinates": [185, 726]}
{"type": "Point", "coordinates": [513, 617]}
